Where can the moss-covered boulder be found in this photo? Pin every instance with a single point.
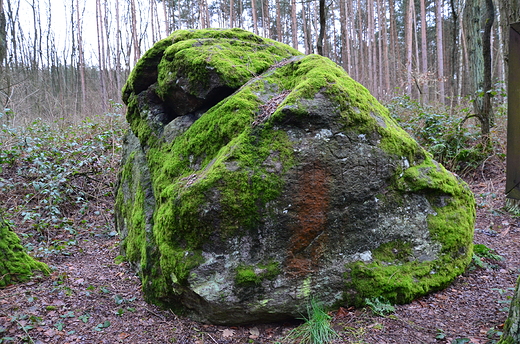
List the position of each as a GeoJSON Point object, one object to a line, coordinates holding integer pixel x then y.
{"type": "Point", "coordinates": [289, 181]}
{"type": "Point", "coordinates": [15, 264]}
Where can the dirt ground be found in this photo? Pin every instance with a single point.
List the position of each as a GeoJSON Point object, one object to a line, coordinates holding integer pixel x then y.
{"type": "Point", "coordinates": [91, 297]}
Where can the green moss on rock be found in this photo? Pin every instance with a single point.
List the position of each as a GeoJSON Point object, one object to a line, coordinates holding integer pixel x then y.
{"type": "Point", "coordinates": [15, 264]}
{"type": "Point", "coordinates": [219, 184]}
{"type": "Point", "coordinates": [451, 226]}
{"type": "Point", "coordinates": [247, 275]}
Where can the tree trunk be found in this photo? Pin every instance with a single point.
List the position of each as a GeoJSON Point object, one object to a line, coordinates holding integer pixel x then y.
{"type": "Point", "coordinates": [253, 14]}
{"type": "Point", "coordinates": [294, 27]}
{"type": "Point", "coordinates": [455, 75]}
{"type": "Point", "coordinates": [511, 331]}
{"type": "Point", "coordinates": [440, 50]}
{"type": "Point", "coordinates": [306, 33]}
{"type": "Point", "coordinates": [509, 13]}
{"type": "Point", "coordinates": [278, 22]}
{"type": "Point", "coordinates": [81, 56]}
{"type": "Point", "coordinates": [319, 45]}
{"type": "Point", "coordinates": [394, 45]}
{"type": "Point", "coordinates": [424, 54]}
{"type": "Point", "coordinates": [3, 34]}
{"type": "Point", "coordinates": [386, 60]}
{"type": "Point", "coordinates": [478, 19]}
{"type": "Point", "coordinates": [231, 14]}
{"type": "Point", "coordinates": [371, 83]}
{"type": "Point", "coordinates": [344, 34]}
{"type": "Point", "coordinates": [408, 45]}
{"type": "Point", "coordinates": [135, 39]}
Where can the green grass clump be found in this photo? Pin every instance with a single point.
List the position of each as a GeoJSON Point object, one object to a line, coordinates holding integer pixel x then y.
{"type": "Point", "coordinates": [316, 328]}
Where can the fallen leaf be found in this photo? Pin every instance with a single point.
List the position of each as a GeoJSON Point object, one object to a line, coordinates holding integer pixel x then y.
{"type": "Point", "coordinates": [123, 335]}
{"type": "Point", "coordinates": [254, 333]}
{"type": "Point", "coordinates": [228, 333]}
{"type": "Point", "coordinates": [342, 312]}
{"type": "Point", "coordinates": [50, 333]}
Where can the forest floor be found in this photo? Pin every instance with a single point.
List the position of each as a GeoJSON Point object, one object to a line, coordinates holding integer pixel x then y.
{"type": "Point", "coordinates": [92, 297]}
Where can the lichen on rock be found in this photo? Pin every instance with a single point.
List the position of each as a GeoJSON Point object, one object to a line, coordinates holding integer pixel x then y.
{"type": "Point", "coordinates": [242, 193]}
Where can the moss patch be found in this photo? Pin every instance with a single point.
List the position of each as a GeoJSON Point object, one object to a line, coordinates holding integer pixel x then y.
{"type": "Point", "coordinates": [451, 226]}
{"type": "Point", "coordinates": [15, 264]}
{"type": "Point", "coordinates": [247, 275]}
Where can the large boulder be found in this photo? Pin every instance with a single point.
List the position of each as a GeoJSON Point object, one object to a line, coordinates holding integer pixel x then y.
{"type": "Point", "coordinates": [255, 178]}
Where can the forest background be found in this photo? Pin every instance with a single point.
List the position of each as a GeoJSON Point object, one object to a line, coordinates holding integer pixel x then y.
{"type": "Point", "coordinates": [72, 57]}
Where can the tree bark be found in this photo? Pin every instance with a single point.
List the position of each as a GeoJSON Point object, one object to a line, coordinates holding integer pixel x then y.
{"type": "Point", "coordinates": [511, 331]}
{"type": "Point", "coordinates": [408, 45]}
{"type": "Point", "coordinates": [3, 34]}
{"type": "Point", "coordinates": [294, 27]}
{"type": "Point", "coordinates": [319, 45]}
{"type": "Point", "coordinates": [440, 50]}
{"type": "Point", "coordinates": [278, 22]}
{"type": "Point", "coordinates": [81, 56]}
{"type": "Point", "coordinates": [253, 14]}
{"type": "Point", "coordinates": [424, 54]}
{"type": "Point", "coordinates": [386, 60]}
{"type": "Point", "coordinates": [478, 19]}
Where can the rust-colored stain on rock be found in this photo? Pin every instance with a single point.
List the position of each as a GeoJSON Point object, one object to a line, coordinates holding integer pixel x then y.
{"type": "Point", "coordinates": [311, 215]}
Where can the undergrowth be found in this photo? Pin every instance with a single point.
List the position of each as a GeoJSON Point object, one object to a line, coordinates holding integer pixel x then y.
{"type": "Point", "coordinates": [51, 172]}
{"type": "Point", "coordinates": [451, 135]}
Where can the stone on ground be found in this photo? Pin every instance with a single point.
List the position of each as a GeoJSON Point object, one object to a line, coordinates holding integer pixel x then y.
{"type": "Point", "coordinates": [255, 178]}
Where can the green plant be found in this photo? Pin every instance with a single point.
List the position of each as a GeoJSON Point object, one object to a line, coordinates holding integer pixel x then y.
{"type": "Point", "coordinates": [446, 133]}
{"type": "Point", "coordinates": [485, 252]}
{"type": "Point", "coordinates": [484, 257]}
{"type": "Point", "coordinates": [380, 306]}
{"type": "Point", "coordinates": [57, 169]}
{"type": "Point", "coordinates": [316, 328]}
{"type": "Point", "coordinates": [101, 326]}
{"type": "Point", "coordinates": [440, 334]}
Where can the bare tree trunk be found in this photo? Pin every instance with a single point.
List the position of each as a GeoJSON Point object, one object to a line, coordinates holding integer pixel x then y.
{"type": "Point", "coordinates": [370, 46]}
{"type": "Point", "coordinates": [424, 53]}
{"type": "Point", "coordinates": [166, 20]}
{"type": "Point", "coordinates": [348, 47]}
{"type": "Point", "coordinates": [386, 60]}
{"type": "Point", "coordinates": [3, 34]}
{"type": "Point", "coordinates": [455, 75]}
{"type": "Point", "coordinates": [81, 56]}
{"type": "Point", "coordinates": [117, 50]}
{"type": "Point", "coordinates": [440, 50]}
{"type": "Point", "coordinates": [278, 22]}
{"type": "Point", "coordinates": [394, 45]}
{"type": "Point", "coordinates": [479, 17]}
{"type": "Point", "coordinates": [319, 45]}
{"type": "Point", "coordinates": [266, 25]}
{"type": "Point", "coordinates": [135, 39]}
{"type": "Point", "coordinates": [306, 34]}
{"type": "Point", "coordinates": [231, 13]}
{"type": "Point", "coordinates": [408, 45]}
{"type": "Point", "coordinates": [344, 34]}
{"type": "Point", "coordinates": [294, 28]}
{"type": "Point", "coordinates": [253, 14]}
{"type": "Point", "coordinates": [361, 49]}
{"type": "Point", "coordinates": [509, 13]}
{"type": "Point", "coordinates": [101, 51]}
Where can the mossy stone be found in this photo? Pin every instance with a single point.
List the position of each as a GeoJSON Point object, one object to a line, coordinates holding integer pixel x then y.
{"type": "Point", "coordinates": [15, 264]}
{"type": "Point", "coordinates": [278, 185]}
